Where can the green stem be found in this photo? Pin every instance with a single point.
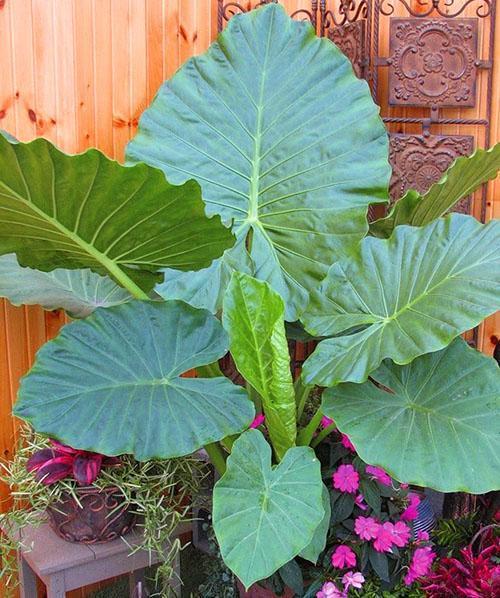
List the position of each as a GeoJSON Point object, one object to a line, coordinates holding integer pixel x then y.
{"type": "Point", "coordinates": [217, 457]}
{"type": "Point", "coordinates": [302, 392]}
{"type": "Point", "coordinates": [255, 397]}
{"type": "Point", "coordinates": [212, 370]}
{"type": "Point", "coordinates": [305, 435]}
{"type": "Point", "coordinates": [125, 280]}
{"type": "Point", "coordinates": [323, 434]}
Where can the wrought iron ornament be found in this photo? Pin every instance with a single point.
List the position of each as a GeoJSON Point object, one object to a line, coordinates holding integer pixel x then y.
{"type": "Point", "coordinates": [226, 10]}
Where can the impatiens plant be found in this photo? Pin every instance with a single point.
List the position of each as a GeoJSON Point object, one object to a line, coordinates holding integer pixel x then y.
{"type": "Point", "coordinates": [243, 206]}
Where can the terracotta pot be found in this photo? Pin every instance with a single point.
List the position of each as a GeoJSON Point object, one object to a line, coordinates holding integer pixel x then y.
{"type": "Point", "coordinates": [257, 591]}
{"type": "Point", "coordinates": [97, 520]}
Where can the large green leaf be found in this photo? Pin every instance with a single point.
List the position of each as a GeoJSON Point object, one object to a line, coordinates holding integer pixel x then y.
{"type": "Point", "coordinates": [412, 294]}
{"type": "Point", "coordinates": [87, 211]}
{"type": "Point", "coordinates": [78, 292]}
{"type": "Point", "coordinates": [463, 177]}
{"type": "Point", "coordinates": [112, 383]}
{"type": "Point", "coordinates": [264, 516]}
{"type": "Point", "coordinates": [438, 425]}
{"type": "Point", "coordinates": [316, 546]}
{"type": "Point", "coordinates": [205, 288]}
{"type": "Point", "coordinates": [253, 318]}
{"type": "Point", "coordinates": [284, 140]}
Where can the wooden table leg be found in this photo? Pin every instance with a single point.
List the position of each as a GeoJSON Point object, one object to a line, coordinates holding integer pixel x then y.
{"type": "Point", "coordinates": [137, 584]}
{"type": "Point", "coordinates": [27, 578]}
{"type": "Point", "coordinates": [56, 587]}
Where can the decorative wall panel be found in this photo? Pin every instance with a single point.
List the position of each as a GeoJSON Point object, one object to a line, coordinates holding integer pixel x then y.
{"type": "Point", "coordinates": [350, 38]}
{"type": "Point", "coordinates": [433, 62]}
{"type": "Point", "coordinates": [418, 161]}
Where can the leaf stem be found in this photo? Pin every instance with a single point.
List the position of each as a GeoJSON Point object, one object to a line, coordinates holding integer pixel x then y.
{"type": "Point", "coordinates": [305, 435]}
{"type": "Point", "coordinates": [125, 281]}
{"type": "Point", "coordinates": [217, 457]}
{"type": "Point", "coordinates": [302, 392]}
{"type": "Point", "coordinates": [323, 434]}
{"type": "Point", "coordinates": [211, 370]}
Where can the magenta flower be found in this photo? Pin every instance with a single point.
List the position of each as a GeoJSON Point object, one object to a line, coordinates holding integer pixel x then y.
{"type": "Point", "coordinates": [346, 479]}
{"type": "Point", "coordinates": [377, 473]}
{"type": "Point", "coordinates": [259, 419]}
{"type": "Point", "coordinates": [345, 440]}
{"type": "Point", "coordinates": [411, 511]}
{"type": "Point", "coordinates": [359, 502]}
{"type": "Point", "coordinates": [399, 531]}
{"type": "Point", "coordinates": [420, 564]}
{"type": "Point", "coordinates": [383, 541]}
{"type": "Point", "coordinates": [422, 536]}
{"type": "Point", "coordinates": [330, 590]}
{"type": "Point", "coordinates": [366, 527]}
{"type": "Point", "coordinates": [343, 557]}
{"type": "Point", "coordinates": [326, 421]}
{"type": "Point", "coordinates": [356, 580]}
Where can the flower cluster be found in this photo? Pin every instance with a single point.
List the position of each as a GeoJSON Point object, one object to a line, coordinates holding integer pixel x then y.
{"type": "Point", "coordinates": [372, 518]}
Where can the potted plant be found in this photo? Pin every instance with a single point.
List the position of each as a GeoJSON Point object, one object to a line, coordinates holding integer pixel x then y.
{"type": "Point", "coordinates": [89, 498]}
{"type": "Point", "coordinates": [242, 214]}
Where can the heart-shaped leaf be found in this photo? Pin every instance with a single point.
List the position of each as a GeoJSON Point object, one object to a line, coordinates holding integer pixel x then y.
{"type": "Point", "coordinates": [285, 141]}
{"type": "Point", "coordinates": [112, 383]}
{"type": "Point", "coordinates": [253, 318]}
{"type": "Point", "coordinates": [411, 294]}
{"type": "Point", "coordinates": [436, 426]}
{"type": "Point", "coordinates": [316, 546]}
{"type": "Point", "coordinates": [78, 292]}
{"type": "Point", "coordinates": [264, 516]}
{"type": "Point", "coordinates": [87, 211]}
{"type": "Point", "coordinates": [463, 177]}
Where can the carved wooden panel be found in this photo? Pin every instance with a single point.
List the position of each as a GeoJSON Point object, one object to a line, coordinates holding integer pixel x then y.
{"type": "Point", "coordinates": [418, 162]}
{"type": "Point", "coordinates": [350, 38]}
{"type": "Point", "coordinates": [433, 62]}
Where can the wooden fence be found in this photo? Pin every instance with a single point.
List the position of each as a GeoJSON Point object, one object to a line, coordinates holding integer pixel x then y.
{"type": "Point", "coordinates": [80, 72]}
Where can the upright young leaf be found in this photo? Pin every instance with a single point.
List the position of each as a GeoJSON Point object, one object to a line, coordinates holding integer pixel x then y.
{"type": "Point", "coordinates": [411, 294]}
{"type": "Point", "coordinates": [285, 141]}
{"type": "Point", "coordinates": [112, 383]}
{"type": "Point", "coordinates": [87, 211]}
{"type": "Point", "coordinates": [78, 292]}
{"type": "Point", "coordinates": [463, 177]}
{"type": "Point", "coordinates": [438, 425]}
{"type": "Point", "coordinates": [253, 317]}
{"type": "Point", "coordinates": [264, 516]}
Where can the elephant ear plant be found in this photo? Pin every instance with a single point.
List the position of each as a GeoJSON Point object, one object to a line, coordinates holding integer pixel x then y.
{"type": "Point", "coordinates": [167, 275]}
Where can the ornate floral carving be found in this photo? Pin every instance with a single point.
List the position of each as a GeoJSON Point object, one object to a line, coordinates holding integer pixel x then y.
{"type": "Point", "coordinates": [350, 38]}
{"type": "Point", "coordinates": [418, 162]}
{"type": "Point", "coordinates": [432, 62]}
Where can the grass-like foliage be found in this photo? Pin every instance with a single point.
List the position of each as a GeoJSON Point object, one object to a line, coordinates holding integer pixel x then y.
{"type": "Point", "coordinates": [157, 491]}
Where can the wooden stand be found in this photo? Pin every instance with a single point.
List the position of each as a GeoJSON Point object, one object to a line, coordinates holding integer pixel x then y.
{"type": "Point", "coordinates": [63, 566]}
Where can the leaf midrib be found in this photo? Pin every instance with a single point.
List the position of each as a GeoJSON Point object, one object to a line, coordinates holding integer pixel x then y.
{"type": "Point", "coordinates": [98, 256]}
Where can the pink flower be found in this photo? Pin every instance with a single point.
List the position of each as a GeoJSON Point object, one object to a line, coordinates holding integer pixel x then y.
{"type": "Point", "coordinates": [411, 512]}
{"type": "Point", "coordinates": [346, 479]}
{"type": "Point", "coordinates": [399, 531]}
{"type": "Point", "coordinates": [330, 590]}
{"type": "Point", "coordinates": [345, 440]}
{"type": "Point", "coordinates": [422, 536]}
{"type": "Point", "coordinates": [420, 564]}
{"type": "Point", "coordinates": [356, 580]}
{"type": "Point", "coordinates": [404, 486]}
{"type": "Point", "coordinates": [343, 557]}
{"type": "Point", "coordinates": [366, 527]}
{"type": "Point", "coordinates": [326, 421]}
{"type": "Point", "coordinates": [384, 540]}
{"type": "Point", "coordinates": [377, 473]}
{"type": "Point", "coordinates": [260, 418]}
{"type": "Point", "coordinates": [359, 501]}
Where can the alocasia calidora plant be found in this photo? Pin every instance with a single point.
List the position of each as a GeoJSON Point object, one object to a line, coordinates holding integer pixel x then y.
{"type": "Point", "coordinates": [288, 151]}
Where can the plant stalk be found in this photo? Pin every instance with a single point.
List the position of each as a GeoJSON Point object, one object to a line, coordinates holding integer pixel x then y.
{"type": "Point", "coordinates": [302, 392]}
{"type": "Point", "coordinates": [217, 457]}
{"type": "Point", "coordinates": [323, 434]}
{"type": "Point", "coordinates": [305, 435]}
{"type": "Point", "coordinates": [212, 370]}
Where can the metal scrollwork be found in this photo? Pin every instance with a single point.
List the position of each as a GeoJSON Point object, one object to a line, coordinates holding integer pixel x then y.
{"type": "Point", "coordinates": [439, 7]}
{"type": "Point", "coordinates": [348, 11]}
{"type": "Point", "coordinates": [230, 9]}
